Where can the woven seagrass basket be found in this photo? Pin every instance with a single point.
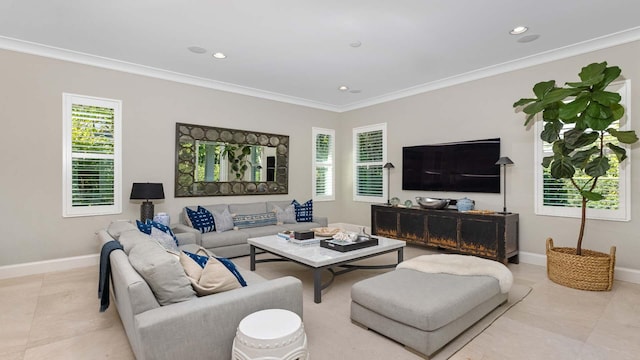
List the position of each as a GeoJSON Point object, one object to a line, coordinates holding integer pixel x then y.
{"type": "Point", "coordinates": [592, 270]}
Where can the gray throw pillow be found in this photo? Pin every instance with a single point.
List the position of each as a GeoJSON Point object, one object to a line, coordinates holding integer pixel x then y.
{"type": "Point", "coordinates": [167, 241]}
{"type": "Point", "coordinates": [162, 271]}
{"type": "Point", "coordinates": [130, 238]}
{"type": "Point", "coordinates": [223, 220]}
{"type": "Point", "coordinates": [286, 216]}
{"type": "Point", "coordinates": [118, 227]}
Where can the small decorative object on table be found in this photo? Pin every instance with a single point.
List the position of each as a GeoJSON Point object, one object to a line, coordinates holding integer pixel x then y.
{"type": "Point", "coordinates": [303, 235]}
{"type": "Point", "coordinates": [465, 204]}
{"type": "Point", "coordinates": [394, 201]}
{"type": "Point", "coordinates": [408, 203]}
{"type": "Point", "coordinates": [325, 231]}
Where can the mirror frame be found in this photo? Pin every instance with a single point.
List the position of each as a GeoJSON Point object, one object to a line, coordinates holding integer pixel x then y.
{"type": "Point", "coordinates": [185, 184]}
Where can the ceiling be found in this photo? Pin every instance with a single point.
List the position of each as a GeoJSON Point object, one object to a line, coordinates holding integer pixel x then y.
{"type": "Point", "coordinates": [301, 52]}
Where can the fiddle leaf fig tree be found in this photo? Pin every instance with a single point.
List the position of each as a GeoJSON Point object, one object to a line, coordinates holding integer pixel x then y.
{"type": "Point", "coordinates": [583, 149]}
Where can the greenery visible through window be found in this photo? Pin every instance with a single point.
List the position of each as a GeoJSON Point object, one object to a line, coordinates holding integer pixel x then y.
{"type": "Point", "coordinates": [323, 164]}
{"type": "Point", "coordinates": [369, 149]}
{"type": "Point", "coordinates": [92, 161]}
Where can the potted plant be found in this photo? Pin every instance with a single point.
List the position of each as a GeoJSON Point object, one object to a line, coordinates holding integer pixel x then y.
{"type": "Point", "coordinates": [582, 153]}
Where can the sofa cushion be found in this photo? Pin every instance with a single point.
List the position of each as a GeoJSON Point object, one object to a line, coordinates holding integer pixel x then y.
{"type": "Point", "coordinates": [202, 219]}
{"type": "Point", "coordinates": [213, 240]}
{"type": "Point", "coordinates": [129, 239]}
{"type": "Point", "coordinates": [118, 227]}
{"type": "Point", "coordinates": [247, 209]}
{"type": "Point", "coordinates": [261, 231]}
{"type": "Point", "coordinates": [223, 220]}
{"type": "Point", "coordinates": [286, 215]}
{"type": "Point", "coordinates": [162, 271]}
{"type": "Point", "coordinates": [304, 212]}
{"type": "Point", "coordinates": [254, 220]}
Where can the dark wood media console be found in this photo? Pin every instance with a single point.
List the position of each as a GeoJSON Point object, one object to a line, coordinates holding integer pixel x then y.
{"type": "Point", "coordinates": [492, 236]}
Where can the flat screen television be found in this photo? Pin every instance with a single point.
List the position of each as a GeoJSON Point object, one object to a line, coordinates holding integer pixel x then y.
{"type": "Point", "coordinates": [467, 166]}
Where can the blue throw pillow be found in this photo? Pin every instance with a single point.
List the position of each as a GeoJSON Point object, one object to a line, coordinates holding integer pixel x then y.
{"type": "Point", "coordinates": [304, 212]}
{"type": "Point", "coordinates": [201, 219]}
{"type": "Point", "coordinates": [232, 267]}
{"type": "Point", "coordinates": [199, 259]}
{"type": "Point", "coordinates": [145, 227]}
{"type": "Point", "coordinates": [254, 220]}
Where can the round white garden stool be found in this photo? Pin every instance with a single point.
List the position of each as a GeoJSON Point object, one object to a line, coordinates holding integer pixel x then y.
{"type": "Point", "coordinates": [269, 335]}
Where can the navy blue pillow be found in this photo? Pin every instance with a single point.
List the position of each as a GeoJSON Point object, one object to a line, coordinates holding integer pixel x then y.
{"type": "Point", "coordinates": [201, 219]}
{"type": "Point", "coordinates": [304, 212]}
{"type": "Point", "coordinates": [232, 267]}
{"type": "Point", "coordinates": [145, 227]}
{"type": "Point", "coordinates": [200, 259]}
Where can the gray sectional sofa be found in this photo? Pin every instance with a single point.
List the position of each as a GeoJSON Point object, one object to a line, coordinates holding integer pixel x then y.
{"type": "Point", "coordinates": [233, 243]}
{"type": "Point", "coordinates": [186, 325]}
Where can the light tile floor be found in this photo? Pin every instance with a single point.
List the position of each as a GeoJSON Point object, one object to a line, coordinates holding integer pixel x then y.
{"type": "Point", "coordinates": [55, 316]}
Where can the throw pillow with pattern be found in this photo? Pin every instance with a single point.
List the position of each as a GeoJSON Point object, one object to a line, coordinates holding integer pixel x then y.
{"type": "Point", "coordinates": [163, 239]}
{"type": "Point", "coordinates": [254, 220]}
{"type": "Point", "coordinates": [201, 219]}
{"type": "Point", "coordinates": [304, 212]}
{"type": "Point", "coordinates": [146, 226]}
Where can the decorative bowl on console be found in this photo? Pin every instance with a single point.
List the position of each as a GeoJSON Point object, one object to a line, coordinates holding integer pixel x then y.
{"type": "Point", "coordinates": [432, 203]}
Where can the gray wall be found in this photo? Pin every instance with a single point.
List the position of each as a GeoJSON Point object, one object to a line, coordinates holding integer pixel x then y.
{"type": "Point", "coordinates": [31, 154]}
{"type": "Point", "coordinates": [31, 88]}
{"type": "Point", "coordinates": [483, 109]}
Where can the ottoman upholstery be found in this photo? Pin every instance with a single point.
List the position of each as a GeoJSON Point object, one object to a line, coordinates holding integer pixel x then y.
{"type": "Point", "coordinates": [423, 311]}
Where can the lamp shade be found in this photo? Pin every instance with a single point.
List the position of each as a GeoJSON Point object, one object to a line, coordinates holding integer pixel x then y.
{"type": "Point", "coordinates": [504, 161]}
{"type": "Point", "coordinates": [146, 191]}
{"type": "Point", "coordinates": [389, 166]}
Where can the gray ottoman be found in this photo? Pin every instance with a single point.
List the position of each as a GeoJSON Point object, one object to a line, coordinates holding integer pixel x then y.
{"type": "Point", "coordinates": [420, 310]}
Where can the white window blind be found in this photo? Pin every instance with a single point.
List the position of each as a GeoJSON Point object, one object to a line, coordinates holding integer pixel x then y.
{"type": "Point", "coordinates": [91, 156]}
{"type": "Point", "coordinates": [370, 154]}
{"type": "Point", "coordinates": [323, 177]}
{"type": "Point", "coordinates": [557, 197]}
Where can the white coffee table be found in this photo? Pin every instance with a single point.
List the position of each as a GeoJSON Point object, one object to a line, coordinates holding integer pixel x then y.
{"type": "Point", "coordinates": [319, 258]}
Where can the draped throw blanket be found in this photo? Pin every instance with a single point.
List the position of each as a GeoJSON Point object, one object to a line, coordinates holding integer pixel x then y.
{"type": "Point", "coordinates": [105, 272]}
{"type": "Point", "coordinates": [461, 265]}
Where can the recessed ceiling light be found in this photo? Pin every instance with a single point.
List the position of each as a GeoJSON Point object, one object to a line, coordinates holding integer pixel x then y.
{"type": "Point", "coordinates": [518, 30]}
{"type": "Point", "coordinates": [355, 44]}
{"type": "Point", "coordinates": [343, 88]}
{"type": "Point", "coordinates": [219, 55]}
{"type": "Point", "coordinates": [197, 49]}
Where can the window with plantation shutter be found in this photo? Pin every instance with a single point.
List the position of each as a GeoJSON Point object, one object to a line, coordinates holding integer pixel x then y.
{"type": "Point", "coordinates": [557, 197]}
{"type": "Point", "coordinates": [370, 154]}
{"type": "Point", "coordinates": [323, 176]}
{"type": "Point", "coordinates": [91, 156]}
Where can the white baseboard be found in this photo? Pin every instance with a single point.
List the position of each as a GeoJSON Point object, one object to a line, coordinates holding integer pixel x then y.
{"type": "Point", "coordinates": [39, 267]}
{"type": "Point", "coordinates": [620, 273]}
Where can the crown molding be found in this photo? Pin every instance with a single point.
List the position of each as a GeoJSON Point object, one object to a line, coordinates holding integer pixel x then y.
{"type": "Point", "coordinates": [111, 64]}
{"type": "Point", "coordinates": [584, 47]}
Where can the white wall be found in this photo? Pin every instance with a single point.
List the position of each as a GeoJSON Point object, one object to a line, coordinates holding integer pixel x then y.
{"type": "Point", "coordinates": [31, 88]}
{"type": "Point", "coordinates": [483, 109]}
{"type": "Point", "coordinates": [31, 154]}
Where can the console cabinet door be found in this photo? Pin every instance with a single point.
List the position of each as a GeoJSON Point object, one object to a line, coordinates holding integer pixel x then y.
{"type": "Point", "coordinates": [479, 237]}
{"type": "Point", "coordinates": [411, 226]}
{"type": "Point", "coordinates": [442, 231]}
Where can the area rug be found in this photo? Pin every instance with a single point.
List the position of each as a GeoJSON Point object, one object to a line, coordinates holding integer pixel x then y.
{"type": "Point", "coordinates": [517, 293]}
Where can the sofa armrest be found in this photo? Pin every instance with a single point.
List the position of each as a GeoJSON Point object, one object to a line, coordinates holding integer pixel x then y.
{"type": "Point", "coordinates": [196, 237]}
{"type": "Point", "coordinates": [163, 331]}
{"type": "Point", "coordinates": [322, 220]}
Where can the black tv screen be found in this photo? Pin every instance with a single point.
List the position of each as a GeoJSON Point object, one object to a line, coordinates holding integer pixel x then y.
{"type": "Point", "coordinates": [467, 166]}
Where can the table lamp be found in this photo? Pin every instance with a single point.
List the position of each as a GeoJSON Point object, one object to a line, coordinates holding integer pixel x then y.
{"type": "Point", "coordinates": [146, 192]}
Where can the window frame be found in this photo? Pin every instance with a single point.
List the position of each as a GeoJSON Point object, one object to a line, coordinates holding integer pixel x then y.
{"type": "Point", "coordinates": [623, 213]}
{"type": "Point", "coordinates": [385, 186]}
{"type": "Point", "coordinates": [68, 209]}
{"type": "Point", "coordinates": [315, 131]}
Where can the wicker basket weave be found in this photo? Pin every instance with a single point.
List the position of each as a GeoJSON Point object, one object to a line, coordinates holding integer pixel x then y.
{"type": "Point", "coordinates": [592, 270]}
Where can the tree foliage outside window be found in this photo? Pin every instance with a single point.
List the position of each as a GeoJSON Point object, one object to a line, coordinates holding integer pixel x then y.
{"type": "Point", "coordinates": [323, 141]}
{"type": "Point", "coordinates": [369, 148]}
{"type": "Point", "coordinates": [91, 156]}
